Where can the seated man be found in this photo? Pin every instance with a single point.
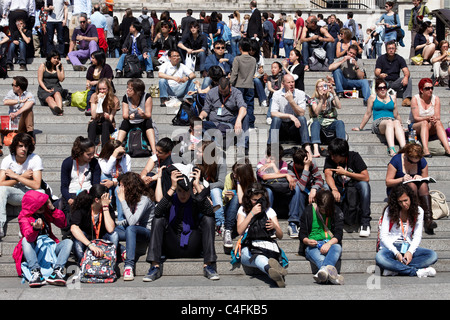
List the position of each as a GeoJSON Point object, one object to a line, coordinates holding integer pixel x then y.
{"type": "Point", "coordinates": [288, 115]}
{"type": "Point", "coordinates": [388, 67]}
{"type": "Point", "coordinates": [313, 37]}
{"type": "Point", "coordinates": [135, 43]}
{"type": "Point", "coordinates": [163, 43]}
{"type": "Point", "coordinates": [179, 210]}
{"type": "Point", "coordinates": [20, 103]}
{"type": "Point", "coordinates": [348, 74]}
{"type": "Point", "coordinates": [344, 170]}
{"type": "Point", "coordinates": [175, 79]}
{"type": "Point", "coordinates": [225, 109]}
{"type": "Point", "coordinates": [20, 171]}
{"type": "Point", "coordinates": [195, 43]}
{"type": "Point", "coordinates": [84, 42]}
{"type": "Point", "coordinates": [20, 41]}
{"type": "Point", "coordinates": [218, 58]}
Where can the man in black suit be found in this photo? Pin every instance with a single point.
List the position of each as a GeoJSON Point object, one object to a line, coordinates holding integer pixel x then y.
{"type": "Point", "coordinates": [254, 28]}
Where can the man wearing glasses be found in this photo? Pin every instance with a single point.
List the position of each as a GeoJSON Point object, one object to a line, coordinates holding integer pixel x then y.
{"type": "Point", "coordinates": [84, 42]}
{"type": "Point", "coordinates": [218, 58]}
{"type": "Point", "coordinates": [388, 67]}
{"type": "Point", "coordinates": [348, 74]}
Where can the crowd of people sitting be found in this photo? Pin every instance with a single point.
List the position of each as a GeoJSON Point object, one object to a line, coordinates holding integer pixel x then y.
{"type": "Point", "coordinates": [185, 196]}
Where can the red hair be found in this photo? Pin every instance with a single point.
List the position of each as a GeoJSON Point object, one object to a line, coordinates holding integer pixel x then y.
{"type": "Point", "coordinates": [422, 83]}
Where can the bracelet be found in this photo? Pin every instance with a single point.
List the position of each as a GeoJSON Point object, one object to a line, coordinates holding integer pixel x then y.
{"type": "Point", "coordinates": [173, 189]}
{"type": "Point", "coordinates": [90, 244]}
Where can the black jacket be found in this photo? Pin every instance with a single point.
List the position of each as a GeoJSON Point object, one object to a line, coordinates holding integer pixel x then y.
{"type": "Point", "coordinates": [141, 43]}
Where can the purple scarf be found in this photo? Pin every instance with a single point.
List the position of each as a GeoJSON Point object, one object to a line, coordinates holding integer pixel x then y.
{"type": "Point", "coordinates": [188, 221]}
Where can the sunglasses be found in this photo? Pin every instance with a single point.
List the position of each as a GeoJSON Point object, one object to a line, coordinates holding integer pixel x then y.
{"type": "Point", "coordinates": [83, 21]}
{"type": "Point", "coordinates": [382, 88]}
{"type": "Point", "coordinates": [428, 88]}
{"type": "Point", "coordinates": [219, 48]}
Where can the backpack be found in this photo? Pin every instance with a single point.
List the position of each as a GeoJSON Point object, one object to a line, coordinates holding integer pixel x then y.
{"type": "Point", "coordinates": [99, 270]}
{"type": "Point", "coordinates": [132, 67]}
{"type": "Point", "coordinates": [136, 146]}
{"type": "Point", "coordinates": [185, 112]}
{"type": "Point", "coordinates": [226, 32]}
{"type": "Point", "coordinates": [146, 27]}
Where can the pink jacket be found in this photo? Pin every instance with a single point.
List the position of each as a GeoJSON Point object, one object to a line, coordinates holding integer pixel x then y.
{"type": "Point", "coordinates": [31, 202]}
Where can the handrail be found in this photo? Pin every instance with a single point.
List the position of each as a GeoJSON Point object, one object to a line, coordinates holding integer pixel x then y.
{"type": "Point", "coordinates": [324, 4]}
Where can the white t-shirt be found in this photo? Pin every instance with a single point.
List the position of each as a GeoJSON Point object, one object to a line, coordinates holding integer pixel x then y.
{"type": "Point", "coordinates": [270, 212]}
{"type": "Point", "coordinates": [175, 71]}
{"type": "Point", "coordinates": [80, 179]}
{"type": "Point", "coordinates": [110, 167]}
{"type": "Point", "coordinates": [33, 162]}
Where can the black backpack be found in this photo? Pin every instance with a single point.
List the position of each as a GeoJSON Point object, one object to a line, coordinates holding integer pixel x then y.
{"type": "Point", "coordinates": [136, 145]}
{"type": "Point", "coordinates": [146, 27]}
{"type": "Point", "coordinates": [132, 67]}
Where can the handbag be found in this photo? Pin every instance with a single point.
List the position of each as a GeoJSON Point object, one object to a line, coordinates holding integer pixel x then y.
{"type": "Point", "coordinates": [79, 99]}
{"type": "Point", "coordinates": [278, 185]}
{"type": "Point", "coordinates": [439, 205]}
{"type": "Point", "coordinates": [417, 60]}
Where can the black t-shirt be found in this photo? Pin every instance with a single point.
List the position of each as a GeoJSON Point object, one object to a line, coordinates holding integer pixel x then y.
{"type": "Point", "coordinates": [354, 163]}
{"type": "Point", "coordinates": [83, 220]}
{"type": "Point", "coordinates": [391, 67]}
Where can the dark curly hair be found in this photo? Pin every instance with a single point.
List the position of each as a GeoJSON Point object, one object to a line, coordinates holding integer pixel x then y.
{"type": "Point", "coordinates": [80, 146]}
{"type": "Point", "coordinates": [254, 190]}
{"type": "Point", "coordinates": [24, 138]}
{"type": "Point", "coordinates": [134, 188]}
{"type": "Point", "coordinates": [85, 198]}
{"type": "Point", "coordinates": [394, 207]}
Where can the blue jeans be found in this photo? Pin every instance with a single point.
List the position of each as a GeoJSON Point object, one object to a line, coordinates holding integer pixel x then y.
{"type": "Point", "coordinates": [288, 129]}
{"type": "Point", "coordinates": [364, 192]}
{"type": "Point", "coordinates": [113, 191]}
{"type": "Point", "coordinates": [330, 259]}
{"type": "Point", "coordinates": [51, 27]}
{"type": "Point", "coordinates": [337, 126]}
{"type": "Point", "coordinates": [288, 46]}
{"type": "Point", "coordinates": [231, 209]}
{"type": "Point", "coordinates": [63, 249]}
{"type": "Point", "coordinates": [147, 62]}
{"type": "Point", "coordinates": [296, 205]}
{"type": "Point", "coordinates": [132, 234]}
{"type": "Point", "coordinates": [22, 57]}
{"type": "Point", "coordinates": [259, 262]}
{"type": "Point", "coordinates": [259, 87]}
{"type": "Point", "coordinates": [343, 83]}
{"type": "Point", "coordinates": [235, 46]}
{"type": "Point", "coordinates": [180, 91]}
{"type": "Point", "coordinates": [79, 248]}
{"type": "Point", "coordinates": [307, 51]}
{"type": "Point", "coordinates": [422, 258]}
{"type": "Point", "coordinates": [216, 198]}
{"type": "Point", "coordinates": [249, 98]}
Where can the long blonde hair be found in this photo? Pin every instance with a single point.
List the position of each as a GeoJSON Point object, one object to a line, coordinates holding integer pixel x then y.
{"type": "Point", "coordinates": [290, 21]}
{"type": "Point", "coordinates": [237, 15]}
{"type": "Point", "coordinates": [316, 92]}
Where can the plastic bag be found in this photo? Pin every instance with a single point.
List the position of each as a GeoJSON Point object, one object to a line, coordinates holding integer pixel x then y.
{"type": "Point", "coordinates": [79, 99]}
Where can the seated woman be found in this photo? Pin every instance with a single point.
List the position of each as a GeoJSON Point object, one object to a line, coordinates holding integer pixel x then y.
{"type": "Point", "coordinates": [137, 112]}
{"type": "Point", "coordinates": [321, 231]}
{"type": "Point", "coordinates": [104, 105]}
{"type": "Point", "coordinates": [138, 210]}
{"type": "Point", "coordinates": [345, 41]}
{"type": "Point", "coordinates": [408, 165]}
{"type": "Point", "coordinates": [259, 221]}
{"type": "Point", "coordinates": [79, 172]}
{"type": "Point", "coordinates": [274, 83]}
{"type": "Point", "coordinates": [35, 222]}
{"type": "Point", "coordinates": [386, 119]}
{"type": "Point", "coordinates": [400, 236]}
{"type": "Point", "coordinates": [425, 116]}
{"type": "Point", "coordinates": [213, 168]}
{"type": "Point", "coordinates": [323, 112]}
{"type": "Point", "coordinates": [91, 219]}
{"type": "Point", "coordinates": [113, 162]}
{"type": "Point", "coordinates": [440, 62]}
{"type": "Point", "coordinates": [425, 42]}
{"type": "Point", "coordinates": [183, 226]}
{"type": "Point", "coordinates": [98, 69]}
{"type": "Point", "coordinates": [50, 76]}
{"type": "Point", "coordinates": [294, 66]}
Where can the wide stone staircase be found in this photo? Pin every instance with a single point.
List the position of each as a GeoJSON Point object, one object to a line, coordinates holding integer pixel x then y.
{"type": "Point", "coordinates": [55, 136]}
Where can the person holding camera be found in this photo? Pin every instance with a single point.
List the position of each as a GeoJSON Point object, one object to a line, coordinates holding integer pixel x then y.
{"type": "Point", "coordinates": [183, 225]}
{"type": "Point", "coordinates": [321, 231]}
{"type": "Point", "coordinates": [401, 232]}
{"type": "Point", "coordinates": [259, 221]}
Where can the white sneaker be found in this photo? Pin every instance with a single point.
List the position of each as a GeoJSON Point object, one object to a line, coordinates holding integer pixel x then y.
{"type": "Point", "coordinates": [321, 276]}
{"type": "Point", "coordinates": [333, 275]}
{"type": "Point", "coordinates": [227, 240]}
{"type": "Point", "coordinates": [364, 232]}
{"type": "Point", "coordinates": [128, 274]}
{"type": "Point", "coordinates": [269, 121]}
{"type": "Point", "coordinates": [264, 103]}
{"type": "Point", "coordinates": [426, 272]}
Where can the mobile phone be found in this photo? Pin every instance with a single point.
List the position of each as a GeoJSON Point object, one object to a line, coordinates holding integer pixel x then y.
{"type": "Point", "coordinates": [325, 86]}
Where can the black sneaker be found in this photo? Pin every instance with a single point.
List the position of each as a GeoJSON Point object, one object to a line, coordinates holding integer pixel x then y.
{"type": "Point", "coordinates": [57, 277]}
{"type": "Point", "coordinates": [210, 272]}
{"type": "Point", "coordinates": [150, 74]}
{"type": "Point", "coordinates": [37, 279]}
{"type": "Point", "coordinates": [119, 74]}
{"type": "Point", "coordinates": [153, 274]}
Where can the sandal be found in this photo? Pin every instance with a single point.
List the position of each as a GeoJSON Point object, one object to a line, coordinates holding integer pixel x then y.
{"type": "Point", "coordinates": [389, 151]}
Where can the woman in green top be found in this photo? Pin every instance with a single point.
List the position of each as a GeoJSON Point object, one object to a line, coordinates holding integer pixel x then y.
{"type": "Point", "coordinates": [323, 245]}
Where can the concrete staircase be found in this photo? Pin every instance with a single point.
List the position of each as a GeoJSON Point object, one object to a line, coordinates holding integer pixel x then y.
{"type": "Point", "coordinates": [55, 136]}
